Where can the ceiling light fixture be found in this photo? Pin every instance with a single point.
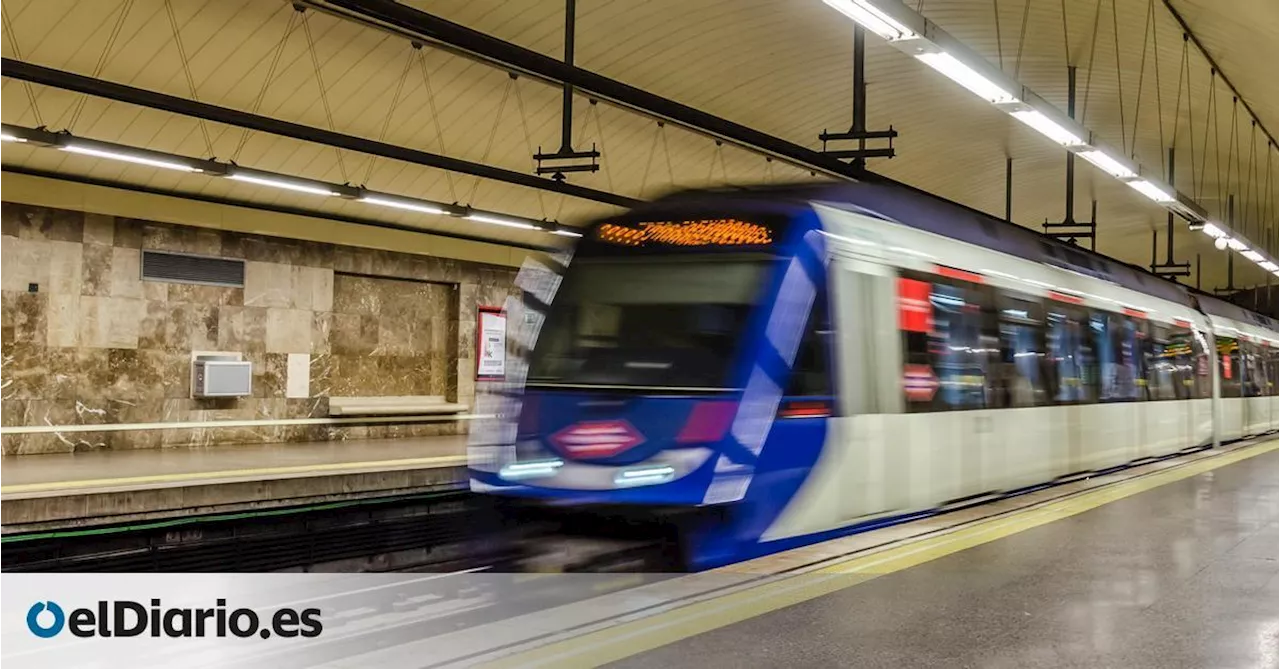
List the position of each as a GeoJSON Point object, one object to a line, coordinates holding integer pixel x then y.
{"type": "Point", "coordinates": [422, 208]}
{"type": "Point", "coordinates": [962, 74]}
{"type": "Point", "coordinates": [872, 18]}
{"type": "Point", "coordinates": [280, 183]}
{"type": "Point", "coordinates": [1107, 164]}
{"type": "Point", "coordinates": [1237, 244]}
{"type": "Point", "coordinates": [1153, 192]}
{"type": "Point", "coordinates": [935, 47]}
{"type": "Point", "coordinates": [211, 168]}
{"type": "Point", "coordinates": [1253, 255]}
{"type": "Point", "coordinates": [1048, 127]}
{"type": "Point", "coordinates": [499, 220]}
{"type": "Point", "coordinates": [1213, 230]}
{"type": "Point", "coordinates": [129, 158]}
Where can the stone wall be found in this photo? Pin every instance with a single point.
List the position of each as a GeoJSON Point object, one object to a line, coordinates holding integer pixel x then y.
{"type": "Point", "coordinates": [86, 341]}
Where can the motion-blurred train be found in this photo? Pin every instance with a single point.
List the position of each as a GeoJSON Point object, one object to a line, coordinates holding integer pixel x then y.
{"type": "Point", "coordinates": [758, 369]}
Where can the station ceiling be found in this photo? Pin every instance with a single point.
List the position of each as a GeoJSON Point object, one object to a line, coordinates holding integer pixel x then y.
{"type": "Point", "coordinates": [778, 66]}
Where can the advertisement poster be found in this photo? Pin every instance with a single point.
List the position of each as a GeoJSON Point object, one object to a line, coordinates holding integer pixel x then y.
{"type": "Point", "coordinates": [491, 338]}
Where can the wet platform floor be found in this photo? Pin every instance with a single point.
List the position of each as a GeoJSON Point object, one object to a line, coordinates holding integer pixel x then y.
{"type": "Point", "coordinates": [1183, 575]}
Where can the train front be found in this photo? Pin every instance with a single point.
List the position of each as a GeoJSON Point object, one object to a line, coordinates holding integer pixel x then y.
{"type": "Point", "coordinates": [670, 392]}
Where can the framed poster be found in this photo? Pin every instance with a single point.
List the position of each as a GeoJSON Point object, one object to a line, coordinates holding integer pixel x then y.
{"type": "Point", "coordinates": [491, 344]}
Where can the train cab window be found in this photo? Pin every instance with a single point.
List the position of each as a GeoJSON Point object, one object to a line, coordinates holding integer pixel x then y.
{"type": "Point", "coordinates": [1229, 366]}
{"type": "Point", "coordinates": [811, 373]}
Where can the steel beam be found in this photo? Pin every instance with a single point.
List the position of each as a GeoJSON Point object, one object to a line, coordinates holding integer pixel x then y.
{"type": "Point", "coordinates": [415, 24]}
{"type": "Point", "coordinates": [110, 90]}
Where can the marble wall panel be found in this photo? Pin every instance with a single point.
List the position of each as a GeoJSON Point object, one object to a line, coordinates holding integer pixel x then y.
{"type": "Point", "coordinates": [126, 274]}
{"type": "Point", "coordinates": [242, 329]}
{"type": "Point", "coordinates": [95, 344]}
{"type": "Point", "coordinates": [110, 322]}
{"type": "Point", "coordinates": [99, 229]}
{"type": "Point", "coordinates": [268, 284]}
{"type": "Point", "coordinates": [288, 331]}
{"type": "Point", "coordinates": [51, 224]}
{"type": "Point", "coordinates": [62, 320]}
{"type": "Point", "coordinates": [96, 269]}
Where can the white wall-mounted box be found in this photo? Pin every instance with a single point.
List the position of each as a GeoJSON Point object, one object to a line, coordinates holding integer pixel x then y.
{"type": "Point", "coordinates": [221, 376]}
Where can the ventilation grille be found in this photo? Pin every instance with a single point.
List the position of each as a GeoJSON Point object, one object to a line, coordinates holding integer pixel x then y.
{"type": "Point", "coordinates": [178, 268]}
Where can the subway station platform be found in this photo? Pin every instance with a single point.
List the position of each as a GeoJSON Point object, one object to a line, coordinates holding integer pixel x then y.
{"type": "Point", "coordinates": [1169, 564]}
{"type": "Point", "coordinates": [57, 491]}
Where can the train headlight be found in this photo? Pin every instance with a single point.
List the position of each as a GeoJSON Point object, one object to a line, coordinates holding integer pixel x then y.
{"type": "Point", "coordinates": [644, 476]}
{"type": "Point", "coordinates": [531, 469]}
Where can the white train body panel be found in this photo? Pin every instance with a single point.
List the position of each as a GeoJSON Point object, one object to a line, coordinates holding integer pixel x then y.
{"type": "Point", "coordinates": [880, 461]}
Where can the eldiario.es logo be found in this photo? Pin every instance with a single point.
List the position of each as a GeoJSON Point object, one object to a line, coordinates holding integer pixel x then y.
{"type": "Point", "coordinates": [125, 618]}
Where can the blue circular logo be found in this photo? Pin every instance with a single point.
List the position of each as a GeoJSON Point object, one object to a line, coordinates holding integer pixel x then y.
{"type": "Point", "coordinates": [45, 631]}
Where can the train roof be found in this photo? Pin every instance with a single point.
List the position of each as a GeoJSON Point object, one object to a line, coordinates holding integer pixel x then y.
{"type": "Point", "coordinates": [918, 209]}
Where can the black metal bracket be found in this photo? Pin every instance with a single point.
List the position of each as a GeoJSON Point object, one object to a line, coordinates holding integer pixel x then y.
{"type": "Point", "coordinates": [1169, 269]}
{"type": "Point", "coordinates": [858, 129]}
{"type": "Point", "coordinates": [557, 171]}
{"type": "Point", "coordinates": [566, 151]}
{"type": "Point", "coordinates": [1072, 231]}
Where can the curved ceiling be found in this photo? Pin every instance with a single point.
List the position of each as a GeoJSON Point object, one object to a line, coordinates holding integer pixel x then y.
{"type": "Point", "coordinates": [779, 66]}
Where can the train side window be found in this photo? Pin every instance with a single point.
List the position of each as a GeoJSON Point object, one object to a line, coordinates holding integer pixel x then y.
{"type": "Point", "coordinates": [1182, 355]}
{"type": "Point", "coordinates": [1161, 367]}
{"type": "Point", "coordinates": [1228, 366]}
{"type": "Point", "coordinates": [1018, 379]}
{"type": "Point", "coordinates": [1118, 350]}
{"type": "Point", "coordinates": [1254, 379]}
{"type": "Point", "coordinates": [811, 373]}
{"type": "Point", "coordinates": [1201, 367]}
{"type": "Point", "coordinates": [949, 338]}
{"type": "Point", "coordinates": [1071, 358]}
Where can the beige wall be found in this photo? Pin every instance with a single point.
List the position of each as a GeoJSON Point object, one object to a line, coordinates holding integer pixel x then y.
{"type": "Point", "coordinates": [97, 345]}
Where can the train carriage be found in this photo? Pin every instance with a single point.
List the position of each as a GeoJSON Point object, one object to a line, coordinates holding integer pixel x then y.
{"type": "Point", "coordinates": [764, 368]}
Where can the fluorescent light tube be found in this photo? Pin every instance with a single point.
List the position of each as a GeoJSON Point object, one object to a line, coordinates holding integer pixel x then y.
{"type": "Point", "coordinates": [403, 204]}
{"type": "Point", "coordinates": [286, 185]}
{"type": "Point", "coordinates": [870, 17]}
{"type": "Point", "coordinates": [1152, 191]}
{"type": "Point", "coordinates": [129, 158]}
{"type": "Point", "coordinates": [1108, 164]}
{"type": "Point", "coordinates": [1213, 230]}
{"type": "Point", "coordinates": [966, 76]}
{"type": "Point", "coordinates": [495, 220]}
{"type": "Point", "coordinates": [1048, 127]}
{"type": "Point", "coordinates": [1237, 244]}
{"type": "Point", "coordinates": [1253, 255]}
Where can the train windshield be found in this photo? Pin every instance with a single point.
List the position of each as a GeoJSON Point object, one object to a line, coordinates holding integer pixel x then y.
{"type": "Point", "coordinates": [649, 321]}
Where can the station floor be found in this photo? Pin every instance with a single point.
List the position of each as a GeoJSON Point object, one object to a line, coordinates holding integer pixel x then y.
{"type": "Point", "coordinates": [1181, 575]}
{"type": "Point", "coordinates": [92, 471]}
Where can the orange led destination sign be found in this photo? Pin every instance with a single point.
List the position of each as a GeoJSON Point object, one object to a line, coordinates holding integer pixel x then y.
{"type": "Point", "coordinates": [706, 232]}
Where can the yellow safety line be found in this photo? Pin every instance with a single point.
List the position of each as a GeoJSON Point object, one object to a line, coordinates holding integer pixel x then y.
{"type": "Point", "coordinates": [438, 461]}
{"type": "Point", "coordinates": [630, 638]}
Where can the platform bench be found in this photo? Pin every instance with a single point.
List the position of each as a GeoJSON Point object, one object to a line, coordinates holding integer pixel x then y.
{"type": "Point", "coordinates": [412, 405]}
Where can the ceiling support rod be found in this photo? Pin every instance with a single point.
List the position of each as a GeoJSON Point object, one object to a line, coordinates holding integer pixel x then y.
{"type": "Point", "coordinates": [403, 20]}
{"type": "Point", "coordinates": [562, 160]}
{"type": "Point", "coordinates": [1186, 31]}
{"type": "Point", "coordinates": [69, 81]}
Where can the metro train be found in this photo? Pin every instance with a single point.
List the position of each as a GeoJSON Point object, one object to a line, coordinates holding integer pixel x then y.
{"type": "Point", "coordinates": [757, 369]}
